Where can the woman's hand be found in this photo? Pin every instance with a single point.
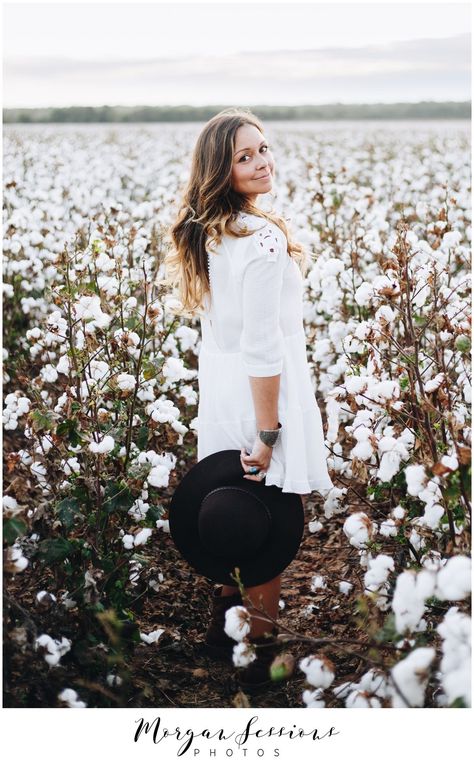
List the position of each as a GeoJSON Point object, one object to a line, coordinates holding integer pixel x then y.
{"type": "Point", "coordinates": [259, 458]}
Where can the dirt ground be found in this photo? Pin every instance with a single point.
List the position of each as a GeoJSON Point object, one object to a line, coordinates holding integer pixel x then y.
{"type": "Point", "coordinates": [174, 671]}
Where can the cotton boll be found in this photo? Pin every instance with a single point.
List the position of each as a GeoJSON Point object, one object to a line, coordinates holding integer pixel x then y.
{"type": "Point", "coordinates": [343, 690]}
{"type": "Point", "coordinates": [360, 700]}
{"type": "Point", "coordinates": [455, 669]}
{"type": "Point", "coordinates": [415, 477]}
{"type": "Point", "coordinates": [237, 622]}
{"type": "Point", "coordinates": [332, 410]}
{"type": "Point", "coordinates": [139, 510]}
{"type": "Point", "coordinates": [53, 649]}
{"type": "Point", "coordinates": [388, 528]}
{"type": "Point", "coordinates": [315, 526]}
{"type": "Point", "coordinates": [416, 540]}
{"type": "Point", "coordinates": [451, 238]}
{"type": "Point", "coordinates": [126, 383]}
{"type": "Point", "coordinates": [411, 676]}
{"type": "Point", "coordinates": [174, 370]}
{"type": "Point", "coordinates": [345, 587]}
{"type": "Point", "coordinates": [379, 569]}
{"type": "Point", "coordinates": [407, 606]}
{"type": "Point", "coordinates": [408, 603]}
{"type": "Point", "coordinates": [389, 466]}
{"type": "Point", "coordinates": [362, 330]}
{"type": "Point", "coordinates": [373, 682]}
{"type": "Point", "coordinates": [159, 476]}
{"type": "Point", "coordinates": [63, 365]}
{"type": "Point", "coordinates": [432, 561]}
{"type": "Point", "coordinates": [70, 466]}
{"type": "Point", "coordinates": [362, 451]}
{"type": "Point", "coordinates": [15, 561]}
{"type": "Point", "coordinates": [332, 267]}
{"type": "Point", "coordinates": [450, 462]}
{"type": "Point", "coordinates": [127, 541]}
{"type": "Point", "coordinates": [318, 582]}
{"type": "Point", "coordinates": [364, 294]}
{"type": "Point", "coordinates": [321, 350]}
{"type": "Point", "coordinates": [243, 654]}
{"type": "Point", "coordinates": [312, 700]}
{"type": "Point", "coordinates": [454, 579]}
{"type": "Point", "coordinates": [38, 470]}
{"type": "Point", "coordinates": [9, 503]}
{"type": "Point", "coordinates": [432, 515]}
{"type": "Point", "coordinates": [105, 446]}
{"type": "Point", "coordinates": [434, 384]}
{"type": "Point", "coordinates": [71, 699]}
{"type": "Point", "coordinates": [385, 314]}
{"type": "Point", "coordinates": [398, 513]}
{"type": "Point", "coordinates": [333, 503]}
{"type": "Point", "coordinates": [358, 528]}
{"type": "Point", "coordinates": [383, 391]}
{"type": "Point", "coordinates": [152, 637]}
{"type": "Point", "coordinates": [87, 308]}
{"type": "Point", "coordinates": [319, 670]}
{"type": "Point", "coordinates": [355, 384]}
{"type": "Point", "coordinates": [142, 536]}
{"type": "Point", "coordinates": [114, 681]}
{"type": "Point", "coordinates": [45, 598]}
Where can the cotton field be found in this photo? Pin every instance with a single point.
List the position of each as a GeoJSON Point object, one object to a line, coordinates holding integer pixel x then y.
{"type": "Point", "coordinates": [100, 393]}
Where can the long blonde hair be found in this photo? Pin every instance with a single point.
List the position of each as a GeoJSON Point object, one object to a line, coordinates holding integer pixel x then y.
{"type": "Point", "coordinates": [208, 210]}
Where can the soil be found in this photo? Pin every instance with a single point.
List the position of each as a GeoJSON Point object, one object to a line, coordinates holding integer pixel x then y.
{"type": "Point", "coordinates": [175, 671]}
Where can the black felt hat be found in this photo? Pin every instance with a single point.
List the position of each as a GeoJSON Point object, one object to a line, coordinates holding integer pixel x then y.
{"type": "Point", "coordinates": [219, 521]}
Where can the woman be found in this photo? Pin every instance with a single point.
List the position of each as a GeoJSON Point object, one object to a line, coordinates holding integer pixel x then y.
{"type": "Point", "coordinates": [236, 266]}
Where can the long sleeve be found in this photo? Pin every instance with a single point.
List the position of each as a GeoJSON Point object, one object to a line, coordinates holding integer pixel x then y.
{"type": "Point", "coordinates": [261, 340]}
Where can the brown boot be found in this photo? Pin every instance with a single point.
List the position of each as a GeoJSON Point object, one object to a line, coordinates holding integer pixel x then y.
{"type": "Point", "coordinates": [217, 643]}
{"type": "Point", "coordinates": [257, 674]}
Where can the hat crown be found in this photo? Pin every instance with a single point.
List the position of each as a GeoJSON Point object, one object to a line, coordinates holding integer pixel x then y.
{"type": "Point", "coordinates": [233, 523]}
{"type": "Point", "coordinates": [214, 510]}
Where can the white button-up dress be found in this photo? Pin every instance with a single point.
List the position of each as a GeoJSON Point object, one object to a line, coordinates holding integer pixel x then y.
{"type": "Point", "coordinates": [253, 325]}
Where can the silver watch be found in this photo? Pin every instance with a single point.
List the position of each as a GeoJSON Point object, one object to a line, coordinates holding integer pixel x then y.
{"type": "Point", "coordinates": [269, 437]}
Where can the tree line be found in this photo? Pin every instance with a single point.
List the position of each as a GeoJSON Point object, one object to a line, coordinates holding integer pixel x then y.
{"type": "Point", "coordinates": [190, 113]}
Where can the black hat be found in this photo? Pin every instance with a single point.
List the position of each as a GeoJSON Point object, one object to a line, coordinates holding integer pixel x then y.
{"type": "Point", "coordinates": [219, 521]}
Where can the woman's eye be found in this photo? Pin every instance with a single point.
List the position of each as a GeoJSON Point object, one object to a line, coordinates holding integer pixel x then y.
{"type": "Point", "coordinates": [263, 147]}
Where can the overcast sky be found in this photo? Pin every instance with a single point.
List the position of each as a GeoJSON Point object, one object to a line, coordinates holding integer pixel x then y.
{"type": "Point", "coordinates": [59, 54]}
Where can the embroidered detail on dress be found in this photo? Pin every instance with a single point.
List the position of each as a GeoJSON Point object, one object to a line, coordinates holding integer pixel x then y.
{"type": "Point", "coordinates": [267, 242]}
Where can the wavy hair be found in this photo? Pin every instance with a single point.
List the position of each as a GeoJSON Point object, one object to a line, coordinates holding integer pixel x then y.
{"type": "Point", "coordinates": [208, 210]}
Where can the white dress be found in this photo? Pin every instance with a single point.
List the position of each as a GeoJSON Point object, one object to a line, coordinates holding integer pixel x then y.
{"type": "Point", "coordinates": [253, 325]}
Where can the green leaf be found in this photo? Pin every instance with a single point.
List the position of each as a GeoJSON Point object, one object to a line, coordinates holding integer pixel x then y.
{"type": "Point", "coordinates": [404, 382]}
{"type": "Point", "coordinates": [117, 498]}
{"type": "Point", "coordinates": [13, 528]}
{"type": "Point", "coordinates": [458, 702]}
{"type": "Point", "coordinates": [142, 439]}
{"type": "Point", "coordinates": [43, 421]}
{"type": "Point", "coordinates": [155, 513]}
{"type": "Point", "coordinates": [53, 550]}
{"type": "Point", "coordinates": [463, 343]}
{"type": "Point", "coordinates": [66, 511]}
{"type": "Point", "coordinates": [69, 429]}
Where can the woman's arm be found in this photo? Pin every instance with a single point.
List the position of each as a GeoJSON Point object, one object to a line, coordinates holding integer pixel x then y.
{"type": "Point", "coordinates": [265, 392]}
{"type": "Point", "coordinates": [262, 339]}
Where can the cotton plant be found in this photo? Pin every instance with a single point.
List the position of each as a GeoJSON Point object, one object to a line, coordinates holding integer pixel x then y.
{"type": "Point", "coordinates": [455, 667]}
{"type": "Point", "coordinates": [70, 698]}
{"type": "Point", "coordinates": [53, 650]}
{"type": "Point", "coordinates": [113, 384]}
{"type": "Point", "coordinates": [410, 678]}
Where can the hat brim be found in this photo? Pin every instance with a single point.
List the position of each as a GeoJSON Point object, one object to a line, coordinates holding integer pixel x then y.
{"type": "Point", "coordinates": [287, 512]}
